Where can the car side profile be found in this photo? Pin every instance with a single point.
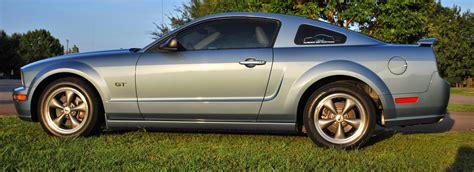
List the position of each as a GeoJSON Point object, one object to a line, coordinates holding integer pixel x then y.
{"type": "Point", "coordinates": [241, 72]}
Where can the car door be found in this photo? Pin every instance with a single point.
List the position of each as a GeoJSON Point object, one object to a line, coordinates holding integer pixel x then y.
{"type": "Point", "coordinates": [219, 72]}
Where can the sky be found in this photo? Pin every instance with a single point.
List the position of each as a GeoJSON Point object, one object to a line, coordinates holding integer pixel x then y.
{"type": "Point", "coordinates": [90, 24]}
{"type": "Point", "coordinates": [102, 24]}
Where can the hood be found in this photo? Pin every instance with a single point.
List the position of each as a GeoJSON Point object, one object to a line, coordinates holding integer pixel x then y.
{"type": "Point", "coordinates": [78, 55]}
{"type": "Point", "coordinates": [30, 71]}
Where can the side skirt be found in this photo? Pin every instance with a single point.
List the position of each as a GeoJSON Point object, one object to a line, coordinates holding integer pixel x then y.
{"type": "Point", "coordinates": [260, 127]}
{"type": "Point", "coordinates": [408, 121]}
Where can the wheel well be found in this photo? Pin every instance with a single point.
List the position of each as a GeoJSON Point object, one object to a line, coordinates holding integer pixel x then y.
{"type": "Point", "coordinates": [338, 78]}
{"type": "Point", "coordinates": [43, 84]}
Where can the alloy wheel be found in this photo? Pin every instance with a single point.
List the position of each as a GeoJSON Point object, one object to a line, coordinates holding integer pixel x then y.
{"type": "Point", "coordinates": [66, 109]}
{"type": "Point", "coordinates": [340, 118]}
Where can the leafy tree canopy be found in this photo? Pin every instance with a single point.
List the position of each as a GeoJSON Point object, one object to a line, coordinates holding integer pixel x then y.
{"type": "Point", "coordinates": [39, 44]}
{"type": "Point", "coordinates": [72, 50]}
{"type": "Point", "coordinates": [396, 21]}
{"type": "Point", "coordinates": [455, 41]}
{"type": "Point", "coordinates": [17, 49]}
{"type": "Point", "coordinates": [9, 58]}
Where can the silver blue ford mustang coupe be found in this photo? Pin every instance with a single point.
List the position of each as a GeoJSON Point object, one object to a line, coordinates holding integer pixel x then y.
{"type": "Point", "coordinates": [241, 71]}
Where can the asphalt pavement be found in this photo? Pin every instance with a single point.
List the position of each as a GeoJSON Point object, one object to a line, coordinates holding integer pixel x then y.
{"type": "Point", "coordinates": [455, 121]}
{"type": "Point", "coordinates": [7, 85]}
{"type": "Point", "coordinates": [461, 99]}
{"type": "Point", "coordinates": [6, 104]}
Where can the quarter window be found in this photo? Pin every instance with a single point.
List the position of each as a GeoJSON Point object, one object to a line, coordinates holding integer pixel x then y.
{"type": "Point", "coordinates": [310, 35]}
{"type": "Point", "coordinates": [229, 34]}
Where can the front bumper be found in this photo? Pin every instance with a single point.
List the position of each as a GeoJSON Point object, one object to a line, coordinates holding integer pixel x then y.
{"type": "Point", "coordinates": [430, 108]}
{"type": "Point", "coordinates": [23, 108]}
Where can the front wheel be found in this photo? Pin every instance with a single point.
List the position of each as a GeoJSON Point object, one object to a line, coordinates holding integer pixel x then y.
{"type": "Point", "coordinates": [339, 115]}
{"type": "Point", "coordinates": [68, 107]}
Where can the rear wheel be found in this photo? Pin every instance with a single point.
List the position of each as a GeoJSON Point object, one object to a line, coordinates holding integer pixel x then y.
{"type": "Point", "coordinates": [68, 108]}
{"type": "Point", "coordinates": [339, 115]}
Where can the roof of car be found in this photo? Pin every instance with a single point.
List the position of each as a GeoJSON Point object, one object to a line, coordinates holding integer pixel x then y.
{"type": "Point", "coordinates": [289, 27]}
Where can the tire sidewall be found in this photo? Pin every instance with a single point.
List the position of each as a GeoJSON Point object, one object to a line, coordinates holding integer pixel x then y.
{"type": "Point", "coordinates": [329, 89]}
{"type": "Point", "coordinates": [83, 89]}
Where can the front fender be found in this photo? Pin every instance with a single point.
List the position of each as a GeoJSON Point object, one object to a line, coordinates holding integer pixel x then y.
{"type": "Point", "coordinates": [72, 67]}
{"type": "Point", "coordinates": [344, 68]}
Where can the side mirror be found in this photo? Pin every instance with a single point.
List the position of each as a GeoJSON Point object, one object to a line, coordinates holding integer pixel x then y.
{"type": "Point", "coordinates": [170, 45]}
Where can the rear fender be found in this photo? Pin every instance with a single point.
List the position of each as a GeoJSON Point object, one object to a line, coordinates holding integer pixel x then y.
{"type": "Point", "coordinates": [345, 68]}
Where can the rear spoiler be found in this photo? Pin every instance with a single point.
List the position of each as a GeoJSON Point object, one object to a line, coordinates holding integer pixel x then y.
{"type": "Point", "coordinates": [427, 42]}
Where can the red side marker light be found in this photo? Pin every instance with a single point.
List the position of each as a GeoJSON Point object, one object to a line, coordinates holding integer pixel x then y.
{"type": "Point", "coordinates": [406, 100]}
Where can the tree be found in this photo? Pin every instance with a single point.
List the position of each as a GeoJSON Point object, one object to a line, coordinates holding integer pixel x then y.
{"type": "Point", "coordinates": [455, 41]}
{"type": "Point", "coordinates": [20, 49]}
{"type": "Point", "coordinates": [75, 49]}
{"type": "Point", "coordinates": [8, 53]}
{"type": "Point", "coordinates": [4, 51]}
{"type": "Point", "coordinates": [398, 21]}
{"type": "Point", "coordinates": [72, 50]}
{"type": "Point", "coordinates": [341, 13]}
{"type": "Point", "coordinates": [39, 44]}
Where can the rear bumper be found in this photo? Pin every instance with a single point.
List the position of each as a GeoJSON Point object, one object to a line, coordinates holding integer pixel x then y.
{"type": "Point", "coordinates": [23, 108]}
{"type": "Point", "coordinates": [430, 108]}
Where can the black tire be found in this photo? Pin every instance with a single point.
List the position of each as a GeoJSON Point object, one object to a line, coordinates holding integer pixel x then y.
{"type": "Point", "coordinates": [88, 126]}
{"type": "Point", "coordinates": [322, 136]}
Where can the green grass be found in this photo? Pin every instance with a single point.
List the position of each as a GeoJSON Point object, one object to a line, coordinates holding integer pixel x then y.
{"type": "Point", "coordinates": [23, 145]}
{"type": "Point", "coordinates": [460, 107]}
{"type": "Point", "coordinates": [462, 91]}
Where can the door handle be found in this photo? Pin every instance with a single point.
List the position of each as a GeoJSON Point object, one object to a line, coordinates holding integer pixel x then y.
{"type": "Point", "coordinates": [251, 62]}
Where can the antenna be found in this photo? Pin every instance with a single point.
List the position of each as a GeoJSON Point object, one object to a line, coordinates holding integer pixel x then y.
{"type": "Point", "coordinates": [162, 12]}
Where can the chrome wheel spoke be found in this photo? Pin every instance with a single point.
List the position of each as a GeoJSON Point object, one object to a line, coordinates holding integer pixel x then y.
{"type": "Point", "coordinates": [330, 105]}
{"type": "Point", "coordinates": [324, 123]}
{"type": "Point", "coordinates": [69, 97]}
{"type": "Point", "coordinates": [353, 122]}
{"type": "Point", "coordinates": [59, 120]}
{"type": "Point", "coordinates": [81, 107]}
{"type": "Point", "coordinates": [349, 105]}
{"type": "Point", "coordinates": [340, 132]}
{"type": "Point", "coordinates": [54, 103]}
{"type": "Point", "coordinates": [340, 118]}
{"type": "Point", "coordinates": [73, 106]}
{"type": "Point", "coordinates": [74, 121]}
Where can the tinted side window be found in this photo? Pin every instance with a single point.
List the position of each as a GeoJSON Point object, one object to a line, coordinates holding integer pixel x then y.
{"type": "Point", "coordinates": [229, 34]}
{"type": "Point", "coordinates": [310, 35]}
